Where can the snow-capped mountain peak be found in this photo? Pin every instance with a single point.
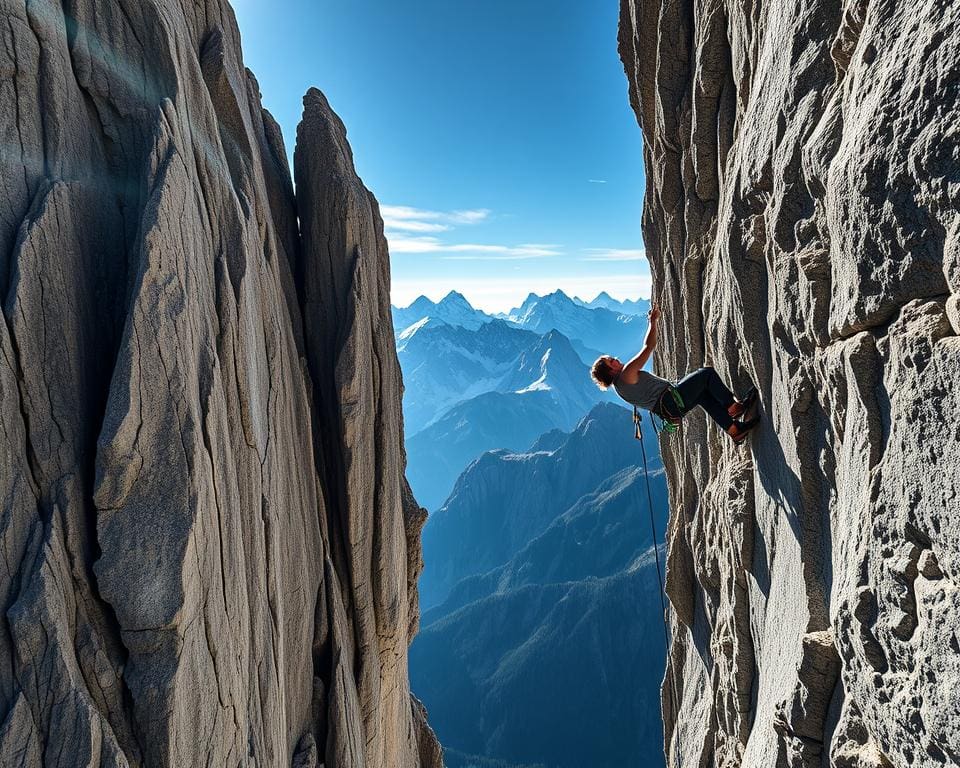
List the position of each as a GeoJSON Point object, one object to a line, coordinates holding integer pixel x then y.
{"type": "Point", "coordinates": [456, 299]}
{"type": "Point", "coordinates": [453, 309]}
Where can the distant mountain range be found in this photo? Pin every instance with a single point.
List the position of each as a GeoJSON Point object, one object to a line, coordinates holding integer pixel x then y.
{"type": "Point", "coordinates": [445, 364]}
{"type": "Point", "coordinates": [592, 538]}
{"type": "Point", "coordinates": [474, 383]}
{"type": "Point", "coordinates": [564, 674]}
{"type": "Point", "coordinates": [504, 499]}
{"type": "Point", "coordinates": [466, 392]}
{"type": "Point", "coordinates": [541, 640]}
{"type": "Point", "coordinates": [592, 329]}
{"type": "Point", "coordinates": [453, 309]}
{"type": "Point", "coordinates": [602, 325]}
{"type": "Point", "coordinates": [438, 454]}
{"type": "Point", "coordinates": [605, 301]}
{"type": "Point", "coordinates": [541, 644]}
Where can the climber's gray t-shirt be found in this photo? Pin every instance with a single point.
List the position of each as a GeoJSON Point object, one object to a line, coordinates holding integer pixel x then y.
{"type": "Point", "coordinates": [645, 393]}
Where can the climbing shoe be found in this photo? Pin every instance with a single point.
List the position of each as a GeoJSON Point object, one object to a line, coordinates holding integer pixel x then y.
{"type": "Point", "coordinates": [741, 407]}
{"type": "Point", "coordinates": [739, 429]}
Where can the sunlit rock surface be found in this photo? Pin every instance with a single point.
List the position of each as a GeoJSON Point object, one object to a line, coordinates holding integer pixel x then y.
{"type": "Point", "coordinates": [802, 225]}
{"type": "Point", "coordinates": [209, 550]}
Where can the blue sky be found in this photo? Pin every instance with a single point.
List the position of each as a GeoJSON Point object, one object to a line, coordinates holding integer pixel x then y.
{"type": "Point", "coordinates": [496, 134]}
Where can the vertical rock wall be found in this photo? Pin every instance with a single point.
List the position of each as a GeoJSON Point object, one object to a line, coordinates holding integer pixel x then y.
{"type": "Point", "coordinates": [209, 552]}
{"type": "Point", "coordinates": [802, 221]}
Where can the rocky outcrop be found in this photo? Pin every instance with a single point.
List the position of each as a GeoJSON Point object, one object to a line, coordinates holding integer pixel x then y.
{"type": "Point", "coordinates": [802, 224]}
{"type": "Point", "coordinates": [209, 550]}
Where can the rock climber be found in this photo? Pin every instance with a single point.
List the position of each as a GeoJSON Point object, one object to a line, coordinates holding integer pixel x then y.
{"type": "Point", "coordinates": [671, 402]}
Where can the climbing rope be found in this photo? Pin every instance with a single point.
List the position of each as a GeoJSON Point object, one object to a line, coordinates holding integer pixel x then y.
{"type": "Point", "coordinates": [638, 434]}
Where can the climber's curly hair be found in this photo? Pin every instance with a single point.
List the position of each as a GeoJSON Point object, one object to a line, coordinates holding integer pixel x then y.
{"type": "Point", "coordinates": [601, 372]}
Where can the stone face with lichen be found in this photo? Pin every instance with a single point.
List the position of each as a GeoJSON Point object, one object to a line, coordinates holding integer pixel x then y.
{"type": "Point", "coordinates": [209, 549]}
{"type": "Point", "coordinates": [802, 220]}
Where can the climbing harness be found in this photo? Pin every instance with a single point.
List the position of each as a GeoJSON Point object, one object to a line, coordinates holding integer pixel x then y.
{"type": "Point", "coordinates": [638, 434]}
{"type": "Point", "coordinates": [668, 422]}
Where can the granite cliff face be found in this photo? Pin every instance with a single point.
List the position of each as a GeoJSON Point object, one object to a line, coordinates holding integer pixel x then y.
{"type": "Point", "coordinates": [209, 550]}
{"type": "Point", "coordinates": [802, 224]}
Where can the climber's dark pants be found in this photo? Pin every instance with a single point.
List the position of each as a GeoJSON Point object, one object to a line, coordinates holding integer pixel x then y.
{"type": "Point", "coordinates": [703, 387]}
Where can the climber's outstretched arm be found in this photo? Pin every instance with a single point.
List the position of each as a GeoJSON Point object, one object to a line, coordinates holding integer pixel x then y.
{"type": "Point", "coordinates": [633, 368]}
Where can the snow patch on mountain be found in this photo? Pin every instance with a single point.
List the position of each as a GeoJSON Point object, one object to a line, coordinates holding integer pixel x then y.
{"type": "Point", "coordinates": [541, 383]}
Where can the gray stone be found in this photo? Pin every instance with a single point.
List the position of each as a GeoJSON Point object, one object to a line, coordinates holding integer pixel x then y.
{"type": "Point", "coordinates": [210, 552]}
{"type": "Point", "coordinates": [802, 228]}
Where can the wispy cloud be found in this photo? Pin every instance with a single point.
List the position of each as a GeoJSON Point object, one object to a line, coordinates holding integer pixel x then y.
{"type": "Point", "coordinates": [469, 251]}
{"type": "Point", "coordinates": [504, 252]}
{"type": "Point", "coordinates": [597, 181]}
{"type": "Point", "coordinates": [614, 254]}
{"type": "Point", "coordinates": [412, 219]}
{"type": "Point", "coordinates": [469, 217]}
{"type": "Point", "coordinates": [412, 230]}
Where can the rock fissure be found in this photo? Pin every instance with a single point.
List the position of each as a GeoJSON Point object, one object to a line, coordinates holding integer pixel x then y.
{"type": "Point", "coordinates": [23, 154]}
{"type": "Point", "coordinates": [31, 456]}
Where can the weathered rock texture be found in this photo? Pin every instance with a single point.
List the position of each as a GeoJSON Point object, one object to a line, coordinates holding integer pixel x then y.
{"type": "Point", "coordinates": [801, 219]}
{"type": "Point", "coordinates": [209, 552]}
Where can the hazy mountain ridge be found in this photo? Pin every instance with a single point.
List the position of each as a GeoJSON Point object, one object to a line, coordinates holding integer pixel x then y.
{"type": "Point", "coordinates": [556, 655]}
{"type": "Point", "coordinates": [504, 500]}
{"type": "Point", "coordinates": [627, 307]}
{"type": "Point", "coordinates": [438, 454]}
{"type": "Point", "coordinates": [546, 386]}
{"type": "Point", "coordinates": [592, 538]}
{"type": "Point", "coordinates": [566, 674]}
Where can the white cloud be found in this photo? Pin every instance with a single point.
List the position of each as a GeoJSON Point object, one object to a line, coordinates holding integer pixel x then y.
{"type": "Point", "coordinates": [469, 217]}
{"type": "Point", "coordinates": [597, 181]}
{"type": "Point", "coordinates": [615, 254]}
{"type": "Point", "coordinates": [394, 214]}
{"type": "Point", "coordinates": [412, 230]}
{"type": "Point", "coordinates": [401, 243]}
{"type": "Point", "coordinates": [409, 244]}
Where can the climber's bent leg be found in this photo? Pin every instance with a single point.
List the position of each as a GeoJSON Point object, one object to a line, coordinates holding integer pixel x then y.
{"type": "Point", "coordinates": [703, 387]}
{"type": "Point", "coordinates": [694, 384]}
{"type": "Point", "coordinates": [718, 389]}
